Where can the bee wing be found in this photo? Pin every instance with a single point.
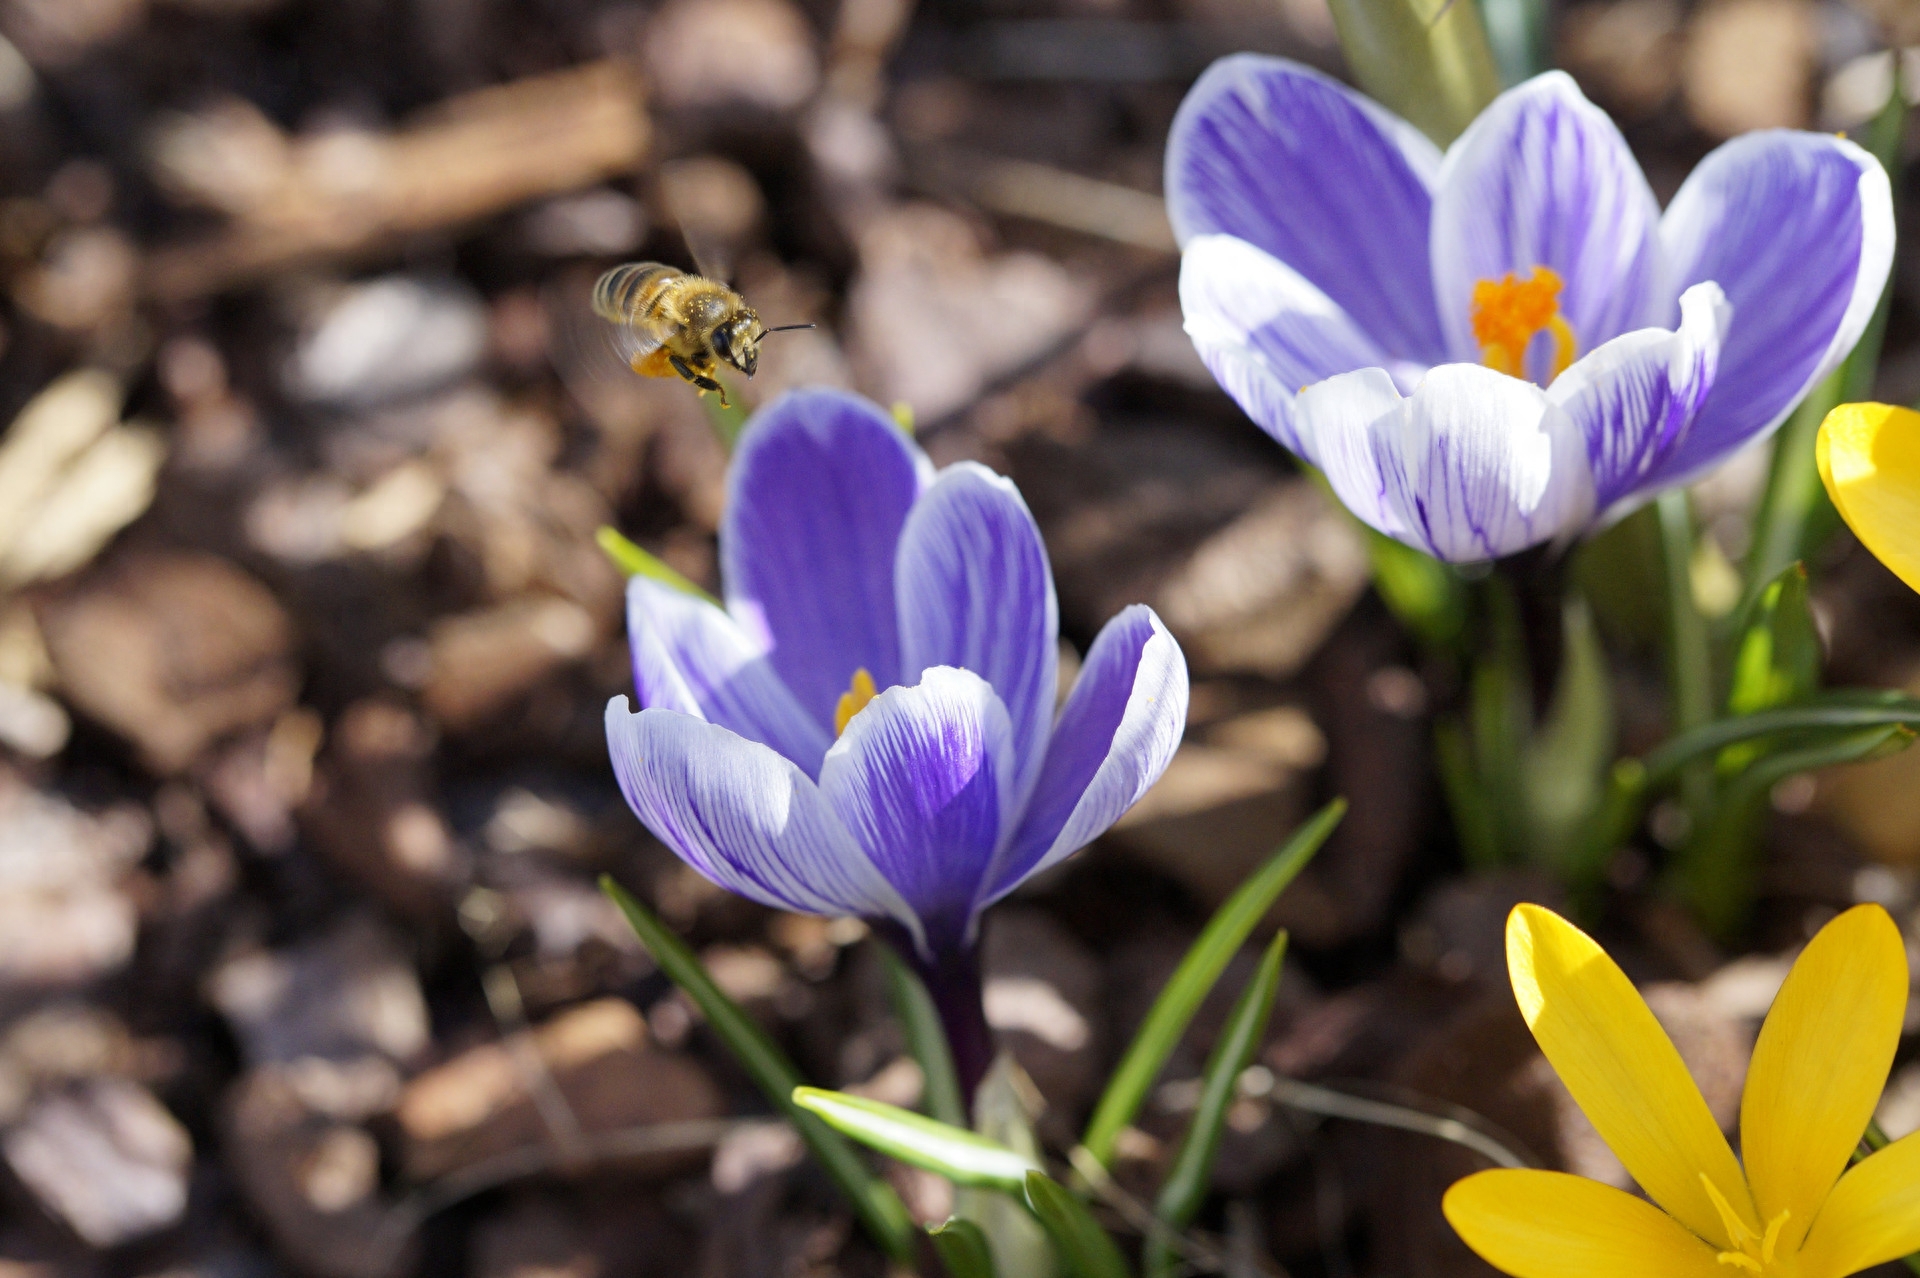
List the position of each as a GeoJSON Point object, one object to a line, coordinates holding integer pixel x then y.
{"type": "Point", "coordinates": [711, 255]}
{"type": "Point", "coordinates": [591, 353]}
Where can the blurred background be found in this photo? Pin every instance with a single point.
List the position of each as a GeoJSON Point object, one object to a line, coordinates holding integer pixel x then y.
{"type": "Point", "coordinates": [305, 639]}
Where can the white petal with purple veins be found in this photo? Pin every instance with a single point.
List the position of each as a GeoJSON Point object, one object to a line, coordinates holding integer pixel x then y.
{"type": "Point", "coordinates": [1294, 162]}
{"type": "Point", "coordinates": [1264, 331]}
{"type": "Point", "coordinates": [922, 777]}
{"type": "Point", "coordinates": [1543, 178]}
{"type": "Point", "coordinates": [1473, 465]}
{"type": "Point", "coordinates": [819, 489]}
{"type": "Point", "coordinates": [1635, 399]}
{"type": "Point", "coordinates": [1797, 229]}
{"type": "Point", "coordinates": [744, 817]}
{"type": "Point", "coordinates": [976, 592]}
{"type": "Point", "coordinates": [1115, 737]}
{"type": "Point", "coordinates": [690, 656]}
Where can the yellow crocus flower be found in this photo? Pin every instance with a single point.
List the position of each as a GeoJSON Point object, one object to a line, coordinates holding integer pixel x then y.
{"type": "Point", "coordinates": [1794, 1210]}
{"type": "Point", "coordinates": [1869, 458]}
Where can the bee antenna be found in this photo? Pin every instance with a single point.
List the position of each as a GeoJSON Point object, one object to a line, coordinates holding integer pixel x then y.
{"type": "Point", "coordinates": [788, 328]}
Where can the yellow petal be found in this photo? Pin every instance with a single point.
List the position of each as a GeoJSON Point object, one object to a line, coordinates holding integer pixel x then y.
{"type": "Point", "coordinates": [1871, 1217]}
{"type": "Point", "coordinates": [1869, 457]}
{"type": "Point", "coordinates": [1623, 1070]}
{"type": "Point", "coordinates": [1821, 1063]}
{"type": "Point", "coordinates": [1540, 1224]}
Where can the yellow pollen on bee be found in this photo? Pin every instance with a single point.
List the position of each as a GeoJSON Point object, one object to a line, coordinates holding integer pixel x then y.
{"type": "Point", "coordinates": [854, 699]}
{"type": "Point", "coordinates": [1509, 312]}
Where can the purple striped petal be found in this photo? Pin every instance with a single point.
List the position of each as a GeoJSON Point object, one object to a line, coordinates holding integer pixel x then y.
{"type": "Point", "coordinates": [1634, 399]}
{"type": "Point", "coordinates": [1339, 189]}
{"type": "Point", "coordinates": [922, 778]}
{"type": "Point", "coordinates": [744, 817]}
{"type": "Point", "coordinates": [1263, 331]}
{"type": "Point", "coordinates": [820, 487]}
{"type": "Point", "coordinates": [1337, 425]}
{"type": "Point", "coordinates": [1473, 465]}
{"type": "Point", "coordinates": [1543, 178]}
{"type": "Point", "coordinates": [1116, 735]}
{"type": "Point", "coordinates": [1797, 229]}
{"type": "Point", "coordinates": [976, 592]}
{"type": "Point", "coordinates": [690, 656]}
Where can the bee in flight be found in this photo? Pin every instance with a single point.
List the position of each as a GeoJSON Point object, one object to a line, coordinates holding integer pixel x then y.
{"type": "Point", "coordinates": [667, 323]}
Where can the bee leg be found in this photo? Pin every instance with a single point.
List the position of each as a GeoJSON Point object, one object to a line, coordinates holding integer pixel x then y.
{"type": "Point", "coordinates": [700, 380]}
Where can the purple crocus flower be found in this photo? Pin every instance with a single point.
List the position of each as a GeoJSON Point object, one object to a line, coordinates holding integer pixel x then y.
{"type": "Point", "coordinates": [1500, 345]}
{"type": "Point", "coordinates": [868, 727]}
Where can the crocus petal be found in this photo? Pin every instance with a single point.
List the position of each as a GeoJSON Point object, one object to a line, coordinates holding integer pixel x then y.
{"type": "Point", "coordinates": [976, 592]}
{"type": "Point", "coordinates": [1623, 1070]}
{"type": "Point", "coordinates": [1797, 228]}
{"type": "Point", "coordinates": [1872, 1216]}
{"type": "Point", "coordinates": [1116, 735]}
{"type": "Point", "coordinates": [921, 778]}
{"type": "Point", "coordinates": [1263, 331]}
{"type": "Point", "coordinates": [1542, 1224]}
{"type": "Point", "coordinates": [1473, 465]}
{"type": "Point", "coordinates": [1543, 178]}
{"type": "Point", "coordinates": [819, 489]}
{"type": "Point", "coordinates": [1820, 1064]}
{"type": "Point", "coordinates": [1328, 182]}
{"type": "Point", "coordinates": [690, 656]}
{"type": "Point", "coordinates": [743, 816]}
{"type": "Point", "coordinates": [1869, 457]}
{"type": "Point", "coordinates": [1634, 399]}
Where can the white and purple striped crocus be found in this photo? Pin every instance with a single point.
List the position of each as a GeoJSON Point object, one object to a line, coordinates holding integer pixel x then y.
{"type": "Point", "coordinates": [1496, 347]}
{"type": "Point", "coordinates": [868, 727]}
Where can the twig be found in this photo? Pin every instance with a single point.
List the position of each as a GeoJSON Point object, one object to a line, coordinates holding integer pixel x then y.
{"type": "Point", "coordinates": [1336, 1104]}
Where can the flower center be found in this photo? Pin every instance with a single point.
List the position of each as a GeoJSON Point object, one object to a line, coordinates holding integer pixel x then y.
{"type": "Point", "coordinates": [854, 699]}
{"type": "Point", "coordinates": [1509, 313]}
{"type": "Point", "coordinates": [1751, 1252]}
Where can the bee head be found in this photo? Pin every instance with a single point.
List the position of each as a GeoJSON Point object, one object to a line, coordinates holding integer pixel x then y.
{"type": "Point", "coordinates": [738, 341]}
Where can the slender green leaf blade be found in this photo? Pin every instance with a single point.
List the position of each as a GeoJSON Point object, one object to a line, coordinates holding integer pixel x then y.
{"type": "Point", "coordinates": [1003, 1112]}
{"type": "Point", "coordinates": [879, 1208]}
{"type": "Point", "coordinates": [637, 561]}
{"type": "Point", "coordinates": [926, 1039]}
{"type": "Point", "coordinates": [1187, 1180]}
{"type": "Point", "coordinates": [1841, 711]}
{"type": "Point", "coordinates": [1777, 661]}
{"type": "Point", "coordinates": [919, 1141]}
{"type": "Point", "coordinates": [1082, 1243]}
{"type": "Point", "coordinates": [1229, 928]}
{"type": "Point", "coordinates": [963, 1249]}
{"type": "Point", "coordinates": [1565, 770]}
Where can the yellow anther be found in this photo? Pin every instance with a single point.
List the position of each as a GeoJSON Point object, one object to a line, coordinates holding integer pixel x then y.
{"type": "Point", "coordinates": [1773, 1236]}
{"type": "Point", "coordinates": [1509, 312]}
{"type": "Point", "coordinates": [1737, 1229]}
{"type": "Point", "coordinates": [854, 699]}
{"type": "Point", "coordinates": [1739, 1259]}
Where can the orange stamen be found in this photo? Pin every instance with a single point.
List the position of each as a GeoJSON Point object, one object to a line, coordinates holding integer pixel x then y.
{"type": "Point", "coordinates": [1508, 313]}
{"type": "Point", "coordinates": [854, 699]}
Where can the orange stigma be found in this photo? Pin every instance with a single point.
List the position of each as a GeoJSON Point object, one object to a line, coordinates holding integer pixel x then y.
{"type": "Point", "coordinates": [853, 700]}
{"type": "Point", "coordinates": [1508, 313]}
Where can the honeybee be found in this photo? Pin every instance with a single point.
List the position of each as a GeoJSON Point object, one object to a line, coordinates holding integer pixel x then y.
{"type": "Point", "coordinates": [667, 323]}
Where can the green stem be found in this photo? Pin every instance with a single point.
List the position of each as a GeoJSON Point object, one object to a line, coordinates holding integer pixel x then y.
{"type": "Point", "coordinates": [1689, 658]}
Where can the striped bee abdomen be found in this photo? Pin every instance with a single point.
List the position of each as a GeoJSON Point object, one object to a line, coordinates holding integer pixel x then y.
{"type": "Point", "coordinates": [630, 293]}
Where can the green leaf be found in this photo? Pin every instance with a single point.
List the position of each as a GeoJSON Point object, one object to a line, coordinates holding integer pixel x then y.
{"type": "Point", "coordinates": [1082, 1243]}
{"type": "Point", "coordinates": [1717, 871]}
{"type": "Point", "coordinates": [635, 561]}
{"type": "Point", "coordinates": [926, 1038]}
{"type": "Point", "coordinates": [1427, 61]}
{"type": "Point", "coordinates": [1003, 1109]}
{"type": "Point", "coordinates": [1821, 717]}
{"type": "Point", "coordinates": [878, 1207]}
{"type": "Point", "coordinates": [919, 1141]}
{"type": "Point", "coordinates": [1424, 595]}
{"type": "Point", "coordinates": [1565, 770]}
{"type": "Point", "coordinates": [727, 423]}
{"type": "Point", "coordinates": [963, 1249]}
{"type": "Point", "coordinates": [1187, 1180]}
{"type": "Point", "coordinates": [1689, 650]}
{"type": "Point", "coordinates": [1190, 983]}
{"type": "Point", "coordinates": [1777, 661]}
